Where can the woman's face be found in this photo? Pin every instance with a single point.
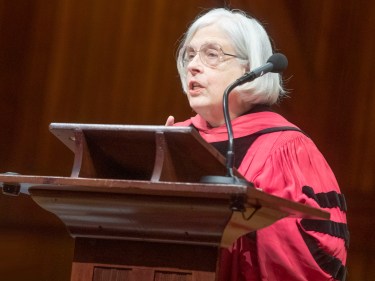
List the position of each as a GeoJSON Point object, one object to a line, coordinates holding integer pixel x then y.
{"type": "Point", "coordinates": [206, 84]}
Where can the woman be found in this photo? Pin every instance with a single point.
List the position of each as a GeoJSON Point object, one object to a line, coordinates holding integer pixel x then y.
{"type": "Point", "coordinates": [219, 47]}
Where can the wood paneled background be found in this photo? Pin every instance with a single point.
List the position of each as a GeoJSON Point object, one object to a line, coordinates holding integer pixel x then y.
{"type": "Point", "coordinates": [113, 62]}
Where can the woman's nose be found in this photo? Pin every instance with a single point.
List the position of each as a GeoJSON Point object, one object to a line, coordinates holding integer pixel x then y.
{"type": "Point", "coordinates": [195, 65]}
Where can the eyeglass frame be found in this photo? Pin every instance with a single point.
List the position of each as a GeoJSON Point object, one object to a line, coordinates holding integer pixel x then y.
{"type": "Point", "coordinates": [221, 55]}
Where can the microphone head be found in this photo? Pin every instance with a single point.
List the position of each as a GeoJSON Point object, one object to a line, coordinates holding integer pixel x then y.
{"type": "Point", "coordinates": [279, 62]}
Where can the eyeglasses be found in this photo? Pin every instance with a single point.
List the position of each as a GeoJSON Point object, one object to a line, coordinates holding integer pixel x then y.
{"type": "Point", "coordinates": [210, 54]}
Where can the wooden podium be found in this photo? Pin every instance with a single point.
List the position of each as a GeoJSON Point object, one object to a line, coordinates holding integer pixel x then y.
{"type": "Point", "coordinates": [136, 207]}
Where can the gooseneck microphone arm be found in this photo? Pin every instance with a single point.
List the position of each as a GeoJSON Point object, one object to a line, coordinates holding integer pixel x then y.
{"type": "Point", "coordinates": [276, 64]}
{"type": "Point", "coordinates": [230, 150]}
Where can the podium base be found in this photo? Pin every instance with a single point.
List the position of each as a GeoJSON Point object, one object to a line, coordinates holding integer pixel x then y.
{"type": "Point", "coordinates": [237, 202]}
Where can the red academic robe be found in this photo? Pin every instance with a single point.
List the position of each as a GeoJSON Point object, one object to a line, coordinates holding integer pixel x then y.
{"type": "Point", "coordinates": [289, 165]}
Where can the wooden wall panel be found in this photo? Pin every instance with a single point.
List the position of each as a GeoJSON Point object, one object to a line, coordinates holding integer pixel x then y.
{"type": "Point", "coordinates": [97, 61]}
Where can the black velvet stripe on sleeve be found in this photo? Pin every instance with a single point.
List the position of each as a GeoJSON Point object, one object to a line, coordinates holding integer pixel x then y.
{"type": "Point", "coordinates": [332, 228]}
{"type": "Point", "coordinates": [326, 262]}
{"type": "Point", "coordinates": [330, 199]}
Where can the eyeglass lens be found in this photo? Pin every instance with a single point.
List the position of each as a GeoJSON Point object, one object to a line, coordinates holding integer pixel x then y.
{"type": "Point", "coordinates": [210, 54]}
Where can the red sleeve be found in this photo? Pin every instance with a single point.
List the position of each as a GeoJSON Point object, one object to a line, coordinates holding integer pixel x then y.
{"type": "Point", "coordinates": [284, 164]}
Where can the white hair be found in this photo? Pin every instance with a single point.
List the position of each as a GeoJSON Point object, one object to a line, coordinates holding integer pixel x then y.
{"type": "Point", "coordinates": [250, 41]}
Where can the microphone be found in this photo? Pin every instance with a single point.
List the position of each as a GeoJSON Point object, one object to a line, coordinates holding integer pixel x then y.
{"type": "Point", "coordinates": [275, 64]}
